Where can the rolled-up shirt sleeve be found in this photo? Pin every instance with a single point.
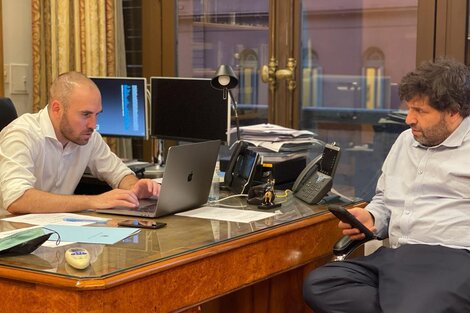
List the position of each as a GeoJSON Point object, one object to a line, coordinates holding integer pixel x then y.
{"type": "Point", "coordinates": [16, 161]}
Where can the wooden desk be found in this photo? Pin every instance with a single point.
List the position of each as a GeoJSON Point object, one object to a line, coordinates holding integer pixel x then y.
{"type": "Point", "coordinates": [222, 266]}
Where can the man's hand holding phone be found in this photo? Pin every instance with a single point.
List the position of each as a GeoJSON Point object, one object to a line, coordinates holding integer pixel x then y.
{"type": "Point", "coordinates": [357, 223]}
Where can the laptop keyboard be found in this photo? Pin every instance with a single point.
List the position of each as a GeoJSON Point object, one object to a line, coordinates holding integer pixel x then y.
{"type": "Point", "coordinates": [146, 205]}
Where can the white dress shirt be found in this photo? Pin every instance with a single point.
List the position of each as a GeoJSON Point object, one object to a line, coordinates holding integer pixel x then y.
{"type": "Point", "coordinates": [423, 195]}
{"type": "Point", "coordinates": [32, 157]}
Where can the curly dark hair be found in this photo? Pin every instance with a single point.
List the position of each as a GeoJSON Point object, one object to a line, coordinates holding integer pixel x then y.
{"type": "Point", "coordinates": [445, 82]}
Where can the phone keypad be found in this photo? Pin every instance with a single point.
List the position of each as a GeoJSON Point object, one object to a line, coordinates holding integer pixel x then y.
{"type": "Point", "coordinates": [313, 186]}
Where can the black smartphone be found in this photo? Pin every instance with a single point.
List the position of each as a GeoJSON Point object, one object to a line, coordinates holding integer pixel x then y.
{"type": "Point", "coordinates": [343, 215]}
{"type": "Point", "coordinates": [141, 224]}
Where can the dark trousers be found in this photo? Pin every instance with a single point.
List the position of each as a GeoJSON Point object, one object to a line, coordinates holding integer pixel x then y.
{"type": "Point", "coordinates": [412, 278]}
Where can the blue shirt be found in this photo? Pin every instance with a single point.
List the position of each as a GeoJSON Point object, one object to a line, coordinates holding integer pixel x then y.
{"type": "Point", "coordinates": [423, 194]}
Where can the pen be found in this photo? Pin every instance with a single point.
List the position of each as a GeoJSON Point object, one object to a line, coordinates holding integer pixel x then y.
{"type": "Point", "coordinates": [88, 220]}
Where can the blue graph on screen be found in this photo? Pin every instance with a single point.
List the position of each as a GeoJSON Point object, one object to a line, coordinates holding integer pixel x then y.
{"type": "Point", "coordinates": [123, 101]}
{"type": "Point", "coordinates": [130, 107]}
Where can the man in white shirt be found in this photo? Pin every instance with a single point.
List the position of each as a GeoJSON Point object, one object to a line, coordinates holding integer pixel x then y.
{"type": "Point", "coordinates": [422, 204]}
{"type": "Point", "coordinates": [44, 155]}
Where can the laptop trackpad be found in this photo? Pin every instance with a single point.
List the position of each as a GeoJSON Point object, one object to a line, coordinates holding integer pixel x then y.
{"type": "Point", "coordinates": [147, 202]}
{"type": "Point", "coordinates": [143, 204]}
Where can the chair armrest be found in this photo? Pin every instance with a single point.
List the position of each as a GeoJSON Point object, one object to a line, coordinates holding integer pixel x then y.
{"type": "Point", "coordinates": [345, 246]}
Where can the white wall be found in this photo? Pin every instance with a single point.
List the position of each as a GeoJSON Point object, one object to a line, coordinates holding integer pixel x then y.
{"type": "Point", "coordinates": [17, 50]}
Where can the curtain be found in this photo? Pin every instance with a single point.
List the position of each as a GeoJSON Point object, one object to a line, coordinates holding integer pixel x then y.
{"type": "Point", "coordinates": [2, 91]}
{"type": "Point", "coordinates": [80, 35]}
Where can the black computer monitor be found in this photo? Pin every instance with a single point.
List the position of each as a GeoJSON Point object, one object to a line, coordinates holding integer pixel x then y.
{"type": "Point", "coordinates": [188, 109]}
{"type": "Point", "coordinates": [124, 106]}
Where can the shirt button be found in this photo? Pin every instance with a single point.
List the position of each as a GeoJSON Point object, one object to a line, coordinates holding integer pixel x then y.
{"type": "Point", "coordinates": [407, 212]}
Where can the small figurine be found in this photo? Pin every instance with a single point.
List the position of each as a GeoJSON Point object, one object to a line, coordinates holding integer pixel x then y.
{"type": "Point", "coordinates": [269, 196]}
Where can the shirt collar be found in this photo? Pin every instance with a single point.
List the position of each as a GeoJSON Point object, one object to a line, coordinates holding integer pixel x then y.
{"type": "Point", "coordinates": [455, 139]}
{"type": "Point", "coordinates": [49, 132]}
{"type": "Point", "coordinates": [46, 123]}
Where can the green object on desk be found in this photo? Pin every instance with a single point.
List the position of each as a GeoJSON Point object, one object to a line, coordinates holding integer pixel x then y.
{"type": "Point", "coordinates": [23, 242]}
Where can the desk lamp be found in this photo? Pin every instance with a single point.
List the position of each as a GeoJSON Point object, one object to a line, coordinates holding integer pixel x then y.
{"type": "Point", "coordinates": [225, 80]}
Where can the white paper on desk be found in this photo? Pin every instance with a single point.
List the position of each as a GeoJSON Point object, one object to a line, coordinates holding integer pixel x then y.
{"type": "Point", "coordinates": [276, 146]}
{"type": "Point", "coordinates": [53, 218]}
{"type": "Point", "coordinates": [224, 214]}
{"type": "Point", "coordinates": [270, 129]}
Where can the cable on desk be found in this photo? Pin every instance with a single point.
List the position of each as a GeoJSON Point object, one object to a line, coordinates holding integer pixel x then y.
{"type": "Point", "coordinates": [232, 196]}
{"type": "Point", "coordinates": [284, 194]}
{"type": "Point", "coordinates": [228, 197]}
{"type": "Point", "coordinates": [232, 206]}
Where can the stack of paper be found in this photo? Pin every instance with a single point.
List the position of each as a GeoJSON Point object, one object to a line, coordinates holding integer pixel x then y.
{"type": "Point", "coordinates": [277, 138]}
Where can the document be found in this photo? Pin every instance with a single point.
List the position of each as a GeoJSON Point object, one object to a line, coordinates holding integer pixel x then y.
{"type": "Point", "coordinates": [277, 138]}
{"type": "Point", "coordinates": [56, 218]}
{"type": "Point", "coordinates": [90, 234]}
{"type": "Point", "coordinates": [283, 146]}
{"type": "Point", "coordinates": [225, 214]}
{"type": "Point", "coordinates": [274, 131]}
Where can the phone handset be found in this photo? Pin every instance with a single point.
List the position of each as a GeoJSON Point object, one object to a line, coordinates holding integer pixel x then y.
{"type": "Point", "coordinates": [241, 171]}
{"type": "Point", "coordinates": [306, 173]}
{"type": "Point", "coordinates": [238, 147]}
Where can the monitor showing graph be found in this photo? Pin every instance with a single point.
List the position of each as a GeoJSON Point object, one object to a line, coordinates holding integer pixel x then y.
{"type": "Point", "coordinates": [124, 106]}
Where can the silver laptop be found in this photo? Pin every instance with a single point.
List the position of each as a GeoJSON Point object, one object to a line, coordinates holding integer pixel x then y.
{"type": "Point", "coordinates": [186, 181]}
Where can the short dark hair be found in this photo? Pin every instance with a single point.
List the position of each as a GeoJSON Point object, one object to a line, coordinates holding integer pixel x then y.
{"type": "Point", "coordinates": [445, 82]}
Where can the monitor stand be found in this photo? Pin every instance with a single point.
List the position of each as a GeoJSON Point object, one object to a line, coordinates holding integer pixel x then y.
{"type": "Point", "coordinates": [159, 166]}
{"type": "Point", "coordinates": [160, 159]}
{"type": "Point", "coordinates": [154, 171]}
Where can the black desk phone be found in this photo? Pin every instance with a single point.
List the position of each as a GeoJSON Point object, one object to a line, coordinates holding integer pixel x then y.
{"type": "Point", "coordinates": [241, 170]}
{"type": "Point", "coordinates": [316, 180]}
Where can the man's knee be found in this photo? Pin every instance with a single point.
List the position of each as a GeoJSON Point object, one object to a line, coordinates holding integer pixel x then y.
{"type": "Point", "coordinates": [313, 288]}
{"type": "Point", "coordinates": [340, 287]}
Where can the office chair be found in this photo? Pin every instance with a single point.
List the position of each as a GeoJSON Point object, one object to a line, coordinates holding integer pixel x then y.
{"type": "Point", "coordinates": [8, 112]}
{"type": "Point", "coordinates": [346, 246]}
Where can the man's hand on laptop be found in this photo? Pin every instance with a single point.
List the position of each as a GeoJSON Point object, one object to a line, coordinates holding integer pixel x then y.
{"type": "Point", "coordinates": [146, 188]}
{"type": "Point", "coordinates": [116, 198]}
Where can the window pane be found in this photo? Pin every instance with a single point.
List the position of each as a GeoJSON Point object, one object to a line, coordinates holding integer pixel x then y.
{"type": "Point", "coordinates": [354, 54]}
{"type": "Point", "coordinates": [467, 41]}
{"type": "Point", "coordinates": [132, 18]}
{"type": "Point", "coordinates": [215, 32]}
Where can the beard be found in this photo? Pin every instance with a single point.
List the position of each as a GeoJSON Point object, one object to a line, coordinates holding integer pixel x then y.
{"type": "Point", "coordinates": [434, 135]}
{"type": "Point", "coordinates": [70, 134]}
